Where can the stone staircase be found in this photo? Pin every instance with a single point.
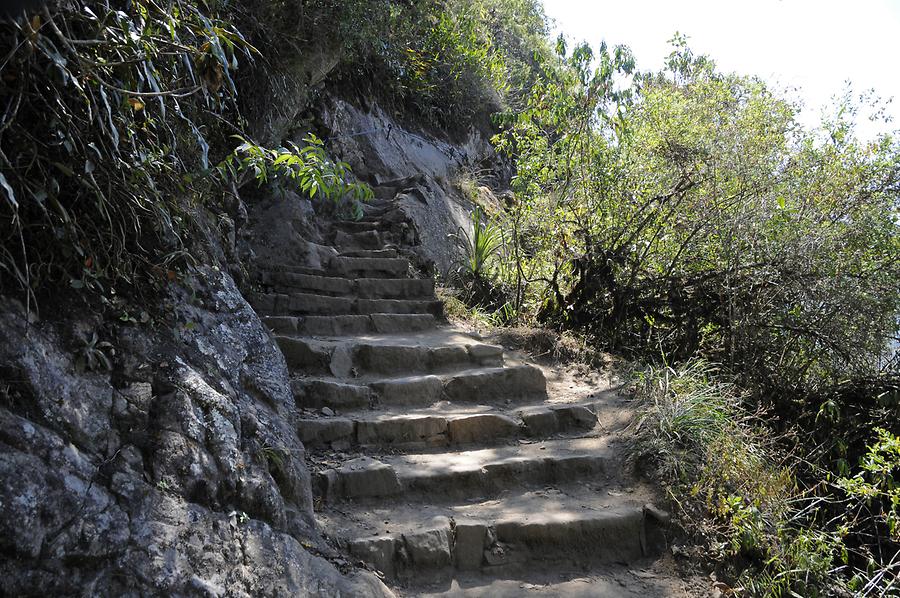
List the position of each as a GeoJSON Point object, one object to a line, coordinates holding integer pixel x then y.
{"type": "Point", "coordinates": [439, 457]}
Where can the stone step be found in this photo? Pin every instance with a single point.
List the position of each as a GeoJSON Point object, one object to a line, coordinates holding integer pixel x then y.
{"type": "Point", "coordinates": [362, 240]}
{"type": "Point", "coordinates": [285, 282]}
{"type": "Point", "coordinates": [555, 529]}
{"type": "Point", "coordinates": [467, 474]}
{"type": "Point", "coordinates": [381, 267]}
{"type": "Point", "coordinates": [349, 324]}
{"type": "Point", "coordinates": [357, 225]}
{"type": "Point", "coordinates": [438, 426]}
{"type": "Point", "coordinates": [620, 582]}
{"type": "Point", "coordinates": [491, 385]}
{"type": "Point", "coordinates": [313, 304]}
{"type": "Point", "coordinates": [370, 253]}
{"type": "Point", "coordinates": [376, 209]}
{"type": "Point", "coordinates": [520, 383]}
{"type": "Point", "coordinates": [345, 358]}
{"type": "Point", "coordinates": [344, 266]}
{"type": "Point", "coordinates": [362, 288]}
{"type": "Point", "coordinates": [394, 288]}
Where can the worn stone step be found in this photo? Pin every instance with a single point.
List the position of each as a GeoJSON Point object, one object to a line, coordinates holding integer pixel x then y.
{"type": "Point", "coordinates": [361, 240]}
{"type": "Point", "coordinates": [408, 430]}
{"type": "Point", "coordinates": [394, 288]}
{"type": "Point", "coordinates": [496, 384]}
{"type": "Point", "coordinates": [558, 529]}
{"type": "Point", "coordinates": [609, 581]}
{"type": "Point", "coordinates": [378, 209]}
{"type": "Point", "coordinates": [522, 383]}
{"type": "Point", "coordinates": [301, 304]}
{"type": "Point", "coordinates": [292, 268]}
{"type": "Point", "coordinates": [313, 304]}
{"type": "Point", "coordinates": [350, 324]}
{"type": "Point", "coordinates": [287, 283]}
{"type": "Point", "coordinates": [345, 358]}
{"type": "Point", "coordinates": [441, 425]}
{"type": "Point", "coordinates": [467, 474]}
{"type": "Point", "coordinates": [370, 253]}
{"type": "Point", "coordinates": [400, 306]}
{"type": "Point", "coordinates": [344, 266]}
{"type": "Point", "coordinates": [381, 267]}
{"type": "Point", "coordinates": [357, 225]}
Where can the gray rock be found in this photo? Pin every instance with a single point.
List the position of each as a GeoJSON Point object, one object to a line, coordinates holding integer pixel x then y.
{"type": "Point", "coordinates": [471, 538]}
{"type": "Point", "coordinates": [392, 359]}
{"type": "Point", "coordinates": [305, 355]}
{"type": "Point", "coordinates": [324, 431]}
{"type": "Point", "coordinates": [402, 430]}
{"type": "Point", "coordinates": [482, 427]}
{"type": "Point", "coordinates": [494, 384]}
{"type": "Point", "coordinates": [389, 323]}
{"type": "Point", "coordinates": [447, 357]}
{"type": "Point", "coordinates": [486, 355]}
{"type": "Point", "coordinates": [541, 423]}
{"type": "Point", "coordinates": [284, 325]}
{"type": "Point", "coordinates": [577, 416]}
{"type": "Point", "coordinates": [419, 390]}
{"type": "Point", "coordinates": [311, 304]}
{"type": "Point", "coordinates": [366, 476]}
{"type": "Point", "coordinates": [378, 552]}
{"type": "Point", "coordinates": [430, 548]}
{"type": "Point", "coordinates": [192, 484]}
{"type": "Point", "coordinates": [314, 394]}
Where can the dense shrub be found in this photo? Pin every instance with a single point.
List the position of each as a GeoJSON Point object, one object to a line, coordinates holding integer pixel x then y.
{"type": "Point", "coordinates": [691, 213]}
{"type": "Point", "coordinates": [105, 110]}
{"type": "Point", "coordinates": [687, 214]}
{"type": "Point", "coordinates": [117, 136]}
{"type": "Point", "coordinates": [445, 61]}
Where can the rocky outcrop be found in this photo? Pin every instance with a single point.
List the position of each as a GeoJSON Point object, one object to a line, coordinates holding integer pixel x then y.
{"type": "Point", "coordinates": [178, 473]}
{"type": "Point", "coordinates": [417, 169]}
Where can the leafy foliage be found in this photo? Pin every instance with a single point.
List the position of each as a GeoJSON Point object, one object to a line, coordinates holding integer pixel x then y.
{"type": "Point", "coordinates": [729, 485]}
{"type": "Point", "coordinates": [443, 60]}
{"type": "Point", "coordinates": [686, 213]}
{"type": "Point", "coordinates": [309, 169]}
{"type": "Point", "coordinates": [104, 104]}
{"type": "Point", "coordinates": [114, 114]}
{"type": "Point", "coordinates": [481, 247]}
{"type": "Point", "coordinates": [877, 479]}
{"type": "Point", "coordinates": [690, 212]}
{"type": "Point", "coordinates": [93, 355]}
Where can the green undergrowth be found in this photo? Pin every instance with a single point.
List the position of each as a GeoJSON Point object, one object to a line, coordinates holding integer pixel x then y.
{"type": "Point", "coordinates": [122, 139]}
{"type": "Point", "coordinates": [738, 495]}
{"type": "Point", "coordinates": [687, 212]}
{"type": "Point", "coordinates": [445, 61]}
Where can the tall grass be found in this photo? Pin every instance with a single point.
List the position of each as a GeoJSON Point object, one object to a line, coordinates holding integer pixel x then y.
{"type": "Point", "coordinates": [730, 489]}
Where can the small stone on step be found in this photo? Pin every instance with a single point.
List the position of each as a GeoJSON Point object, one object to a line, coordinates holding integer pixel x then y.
{"type": "Point", "coordinates": [327, 411]}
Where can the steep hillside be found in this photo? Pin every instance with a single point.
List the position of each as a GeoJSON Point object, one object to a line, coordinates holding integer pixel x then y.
{"type": "Point", "coordinates": [231, 237]}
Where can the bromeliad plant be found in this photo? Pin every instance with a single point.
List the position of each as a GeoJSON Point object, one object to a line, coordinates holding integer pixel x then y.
{"type": "Point", "coordinates": [476, 271]}
{"type": "Point", "coordinates": [480, 248]}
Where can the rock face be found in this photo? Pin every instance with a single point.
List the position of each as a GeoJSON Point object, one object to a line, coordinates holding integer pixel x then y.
{"type": "Point", "coordinates": [418, 170]}
{"type": "Point", "coordinates": [180, 474]}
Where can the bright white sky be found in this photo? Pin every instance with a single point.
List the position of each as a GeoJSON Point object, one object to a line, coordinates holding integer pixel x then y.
{"type": "Point", "coordinates": [816, 45]}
